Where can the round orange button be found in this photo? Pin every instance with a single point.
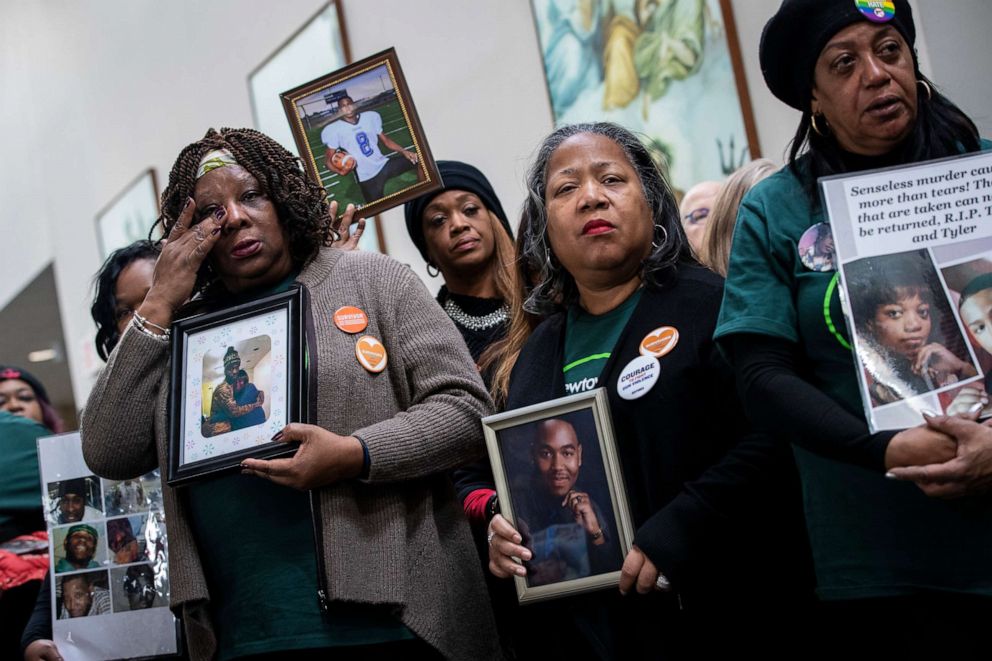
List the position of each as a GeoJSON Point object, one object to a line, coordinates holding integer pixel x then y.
{"type": "Point", "coordinates": [659, 341]}
{"type": "Point", "coordinates": [371, 354]}
{"type": "Point", "coordinates": [351, 319]}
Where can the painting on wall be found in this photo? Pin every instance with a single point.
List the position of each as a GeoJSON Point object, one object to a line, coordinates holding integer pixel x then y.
{"type": "Point", "coordinates": [667, 69]}
{"type": "Point", "coordinates": [130, 215]}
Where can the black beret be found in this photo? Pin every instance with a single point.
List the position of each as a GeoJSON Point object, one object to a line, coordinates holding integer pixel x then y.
{"type": "Point", "coordinates": [794, 37]}
{"type": "Point", "coordinates": [455, 175]}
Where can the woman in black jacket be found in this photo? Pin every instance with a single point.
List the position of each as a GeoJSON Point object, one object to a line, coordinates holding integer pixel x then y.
{"type": "Point", "coordinates": [712, 505]}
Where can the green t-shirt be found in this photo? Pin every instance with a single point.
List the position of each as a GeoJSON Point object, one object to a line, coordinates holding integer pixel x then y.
{"type": "Point", "coordinates": [257, 547]}
{"type": "Point", "coordinates": [870, 536]}
{"type": "Point", "coordinates": [589, 340]}
{"type": "Point", "coordinates": [256, 542]}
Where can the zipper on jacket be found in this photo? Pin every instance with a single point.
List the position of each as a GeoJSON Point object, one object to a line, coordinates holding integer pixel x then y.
{"type": "Point", "coordinates": [318, 542]}
{"type": "Point", "coordinates": [310, 361]}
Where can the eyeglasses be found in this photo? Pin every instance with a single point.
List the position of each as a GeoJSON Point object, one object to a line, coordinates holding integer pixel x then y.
{"type": "Point", "coordinates": [696, 215]}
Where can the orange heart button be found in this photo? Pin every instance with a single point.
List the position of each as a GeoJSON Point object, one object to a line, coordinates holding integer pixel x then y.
{"type": "Point", "coordinates": [371, 354]}
{"type": "Point", "coordinates": [660, 341]}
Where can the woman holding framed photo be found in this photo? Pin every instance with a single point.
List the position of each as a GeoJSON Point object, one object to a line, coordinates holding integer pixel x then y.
{"type": "Point", "coordinates": [718, 538]}
{"type": "Point", "coordinates": [243, 220]}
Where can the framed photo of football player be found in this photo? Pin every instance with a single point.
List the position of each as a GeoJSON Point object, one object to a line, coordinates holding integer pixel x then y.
{"type": "Point", "coordinates": [559, 484]}
{"type": "Point", "coordinates": [238, 377]}
{"type": "Point", "coordinates": [358, 134]}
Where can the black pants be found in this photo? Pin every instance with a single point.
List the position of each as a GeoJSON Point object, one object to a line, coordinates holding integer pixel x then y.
{"type": "Point", "coordinates": [373, 189]}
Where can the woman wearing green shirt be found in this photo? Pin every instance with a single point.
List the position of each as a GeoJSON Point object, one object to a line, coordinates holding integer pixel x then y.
{"type": "Point", "coordinates": [886, 555]}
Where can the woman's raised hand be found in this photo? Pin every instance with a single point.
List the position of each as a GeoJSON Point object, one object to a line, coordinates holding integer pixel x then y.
{"type": "Point", "coordinates": [347, 240]}
{"type": "Point", "coordinates": [183, 251]}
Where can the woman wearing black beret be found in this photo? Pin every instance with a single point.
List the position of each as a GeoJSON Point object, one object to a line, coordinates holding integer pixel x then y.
{"type": "Point", "coordinates": [899, 570]}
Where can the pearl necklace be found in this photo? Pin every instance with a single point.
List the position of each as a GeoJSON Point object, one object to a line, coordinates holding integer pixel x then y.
{"type": "Point", "coordinates": [472, 322]}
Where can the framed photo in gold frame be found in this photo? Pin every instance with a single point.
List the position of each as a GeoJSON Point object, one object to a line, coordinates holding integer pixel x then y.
{"type": "Point", "coordinates": [358, 134]}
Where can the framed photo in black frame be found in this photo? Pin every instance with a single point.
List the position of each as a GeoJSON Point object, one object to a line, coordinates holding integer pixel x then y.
{"type": "Point", "coordinates": [560, 485]}
{"type": "Point", "coordinates": [238, 377]}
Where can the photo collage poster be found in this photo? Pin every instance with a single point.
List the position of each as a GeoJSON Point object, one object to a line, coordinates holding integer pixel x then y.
{"type": "Point", "coordinates": [914, 250]}
{"type": "Point", "coordinates": [108, 560]}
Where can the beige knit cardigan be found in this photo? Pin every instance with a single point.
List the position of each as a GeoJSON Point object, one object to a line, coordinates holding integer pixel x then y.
{"type": "Point", "coordinates": [398, 538]}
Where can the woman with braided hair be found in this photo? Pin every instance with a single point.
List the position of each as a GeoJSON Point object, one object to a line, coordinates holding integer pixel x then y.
{"type": "Point", "coordinates": [394, 571]}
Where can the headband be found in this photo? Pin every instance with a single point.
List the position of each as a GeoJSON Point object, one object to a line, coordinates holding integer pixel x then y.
{"type": "Point", "coordinates": [217, 158]}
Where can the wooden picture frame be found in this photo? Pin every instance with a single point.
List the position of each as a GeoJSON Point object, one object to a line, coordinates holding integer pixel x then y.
{"type": "Point", "coordinates": [338, 124]}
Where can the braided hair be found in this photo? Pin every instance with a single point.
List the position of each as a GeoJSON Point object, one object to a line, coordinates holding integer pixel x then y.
{"type": "Point", "coordinates": [301, 204]}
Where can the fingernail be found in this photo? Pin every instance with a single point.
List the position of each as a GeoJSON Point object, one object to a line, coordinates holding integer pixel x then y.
{"type": "Point", "coordinates": [891, 476]}
{"type": "Point", "coordinates": [219, 212]}
{"type": "Point", "coordinates": [517, 539]}
{"type": "Point", "coordinates": [215, 231]}
{"type": "Point", "coordinates": [927, 413]}
{"type": "Point", "coordinates": [277, 436]}
{"type": "Point", "coordinates": [189, 200]}
{"type": "Point", "coordinates": [623, 593]}
{"type": "Point", "coordinates": [526, 555]}
{"type": "Point", "coordinates": [976, 407]}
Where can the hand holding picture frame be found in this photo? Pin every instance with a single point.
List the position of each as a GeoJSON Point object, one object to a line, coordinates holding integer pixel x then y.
{"type": "Point", "coordinates": [559, 482]}
{"type": "Point", "coordinates": [238, 377]}
{"type": "Point", "coordinates": [358, 134]}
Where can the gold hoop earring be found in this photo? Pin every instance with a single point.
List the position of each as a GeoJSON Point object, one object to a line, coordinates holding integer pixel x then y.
{"type": "Point", "coordinates": [436, 272]}
{"type": "Point", "coordinates": [812, 121]}
{"type": "Point", "coordinates": [927, 87]}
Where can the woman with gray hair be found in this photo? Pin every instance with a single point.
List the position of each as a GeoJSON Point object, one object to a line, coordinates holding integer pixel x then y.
{"type": "Point", "coordinates": [714, 540]}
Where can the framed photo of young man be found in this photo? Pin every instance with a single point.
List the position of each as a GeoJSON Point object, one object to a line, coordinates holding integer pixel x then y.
{"type": "Point", "coordinates": [358, 134]}
{"type": "Point", "coordinates": [560, 485]}
{"type": "Point", "coordinates": [238, 377]}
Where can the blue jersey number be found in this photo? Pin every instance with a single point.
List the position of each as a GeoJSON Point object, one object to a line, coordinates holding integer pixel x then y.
{"type": "Point", "coordinates": [363, 143]}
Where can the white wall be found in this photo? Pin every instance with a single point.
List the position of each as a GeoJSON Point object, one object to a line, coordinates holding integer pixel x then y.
{"type": "Point", "coordinates": [958, 33]}
{"type": "Point", "coordinates": [94, 92]}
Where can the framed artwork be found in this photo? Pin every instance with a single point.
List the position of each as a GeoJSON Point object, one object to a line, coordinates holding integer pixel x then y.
{"type": "Point", "coordinates": [130, 215]}
{"type": "Point", "coordinates": [560, 485]}
{"type": "Point", "coordinates": [358, 134]}
{"type": "Point", "coordinates": [237, 379]}
{"type": "Point", "coordinates": [671, 71]}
